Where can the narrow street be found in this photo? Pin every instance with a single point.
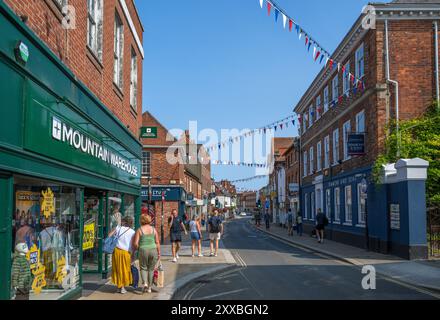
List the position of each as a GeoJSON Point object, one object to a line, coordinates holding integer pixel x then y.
{"type": "Point", "coordinates": [270, 269]}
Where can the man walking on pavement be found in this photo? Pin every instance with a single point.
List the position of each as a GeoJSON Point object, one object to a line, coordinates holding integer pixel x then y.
{"type": "Point", "coordinates": [215, 232]}
{"type": "Point", "coordinates": [176, 226]}
{"type": "Point", "coordinates": [321, 223]}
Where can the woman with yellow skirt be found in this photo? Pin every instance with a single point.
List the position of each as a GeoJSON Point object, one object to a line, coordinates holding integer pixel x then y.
{"type": "Point", "coordinates": [121, 258]}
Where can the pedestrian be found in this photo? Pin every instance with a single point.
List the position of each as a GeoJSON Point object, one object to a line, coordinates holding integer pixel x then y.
{"type": "Point", "coordinates": [121, 257]}
{"type": "Point", "coordinates": [215, 232]}
{"type": "Point", "coordinates": [267, 220]}
{"type": "Point", "coordinates": [290, 223]}
{"type": "Point", "coordinates": [321, 223]}
{"type": "Point", "coordinates": [196, 235]}
{"type": "Point", "coordinates": [299, 224]}
{"type": "Point", "coordinates": [146, 241]}
{"type": "Point", "coordinates": [176, 226]}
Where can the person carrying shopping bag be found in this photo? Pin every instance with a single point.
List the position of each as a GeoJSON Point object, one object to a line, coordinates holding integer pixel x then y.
{"type": "Point", "coordinates": [146, 240]}
{"type": "Point", "coordinates": [121, 257]}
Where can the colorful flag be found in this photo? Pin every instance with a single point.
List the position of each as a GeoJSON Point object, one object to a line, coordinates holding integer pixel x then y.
{"type": "Point", "coordinates": [276, 14]}
{"type": "Point", "coordinates": [284, 21]}
{"type": "Point", "coordinates": [261, 4]}
{"type": "Point", "coordinates": [269, 8]}
{"type": "Point", "coordinates": [291, 25]}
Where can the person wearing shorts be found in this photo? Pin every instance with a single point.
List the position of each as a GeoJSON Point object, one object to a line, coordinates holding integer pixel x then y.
{"type": "Point", "coordinates": [321, 222]}
{"type": "Point", "coordinates": [196, 235]}
{"type": "Point", "coordinates": [176, 227]}
{"type": "Point", "coordinates": [215, 232]}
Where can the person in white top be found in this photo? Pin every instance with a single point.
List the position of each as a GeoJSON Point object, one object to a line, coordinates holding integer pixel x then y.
{"type": "Point", "coordinates": [196, 235]}
{"type": "Point", "coordinates": [121, 258]}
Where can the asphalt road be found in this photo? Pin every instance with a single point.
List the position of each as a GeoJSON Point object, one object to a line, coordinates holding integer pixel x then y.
{"type": "Point", "coordinates": [269, 269]}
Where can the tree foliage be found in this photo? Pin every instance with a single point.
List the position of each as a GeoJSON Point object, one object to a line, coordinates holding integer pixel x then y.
{"type": "Point", "coordinates": [419, 138]}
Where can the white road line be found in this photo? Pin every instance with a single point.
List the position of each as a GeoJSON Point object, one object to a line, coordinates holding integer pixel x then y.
{"type": "Point", "coordinates": [251, 284]}
{"type": "Point", "coordinates": [191, 292]}
{"type": "Point", "coordinates": [221, 294]}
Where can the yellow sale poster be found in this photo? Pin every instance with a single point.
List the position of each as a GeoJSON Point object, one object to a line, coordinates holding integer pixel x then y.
{"type": "Point", "coordinates": [89, 237]}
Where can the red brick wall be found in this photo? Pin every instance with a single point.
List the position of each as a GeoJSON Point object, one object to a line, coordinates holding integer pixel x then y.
{"type": "Point", "coordinates": [44, 18]}
{"type": "Point", "coordinates": [411, 64]}
{"type": "Point", "coordinates": [168, 206]}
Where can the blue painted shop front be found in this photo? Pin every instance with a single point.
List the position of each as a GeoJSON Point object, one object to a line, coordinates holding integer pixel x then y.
{"type": "Point", "coordinates": [171, 194]}
{"type": "Point", "coordinates": [395, 212]}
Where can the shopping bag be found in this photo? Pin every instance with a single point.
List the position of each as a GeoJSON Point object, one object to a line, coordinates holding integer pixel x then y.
{"type": "Point", "coordinates": [160, 277]}
{"type": "Point", "coordinates": [155, 276]}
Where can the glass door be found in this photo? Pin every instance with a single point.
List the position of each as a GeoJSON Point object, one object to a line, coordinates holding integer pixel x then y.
{"type": "Point", "coordinates": [92, 238]}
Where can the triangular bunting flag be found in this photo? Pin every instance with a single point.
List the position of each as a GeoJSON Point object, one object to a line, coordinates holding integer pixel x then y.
{"type": "Point", "coordinates": [322, 58]}
{"type": "Point", "coordinates": [291, 25]}
{"type": "Point", "coordinates": [284, 21]}
{"type": "Point", "coordinates": [276, 14]}
{"type": "Point", "coordinates": [269, 8]}
{"type": "Point", "coordinates": [317, 55]}
{"type": "Point", "coordinates": [261, 4]}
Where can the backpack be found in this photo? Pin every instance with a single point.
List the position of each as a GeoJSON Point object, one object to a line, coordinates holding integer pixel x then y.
{"type": "Point", "coordinates": [215, 225]}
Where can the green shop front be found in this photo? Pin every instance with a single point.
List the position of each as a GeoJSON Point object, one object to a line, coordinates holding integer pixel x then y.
{"type": "Point", "coordinates": [69, 170]}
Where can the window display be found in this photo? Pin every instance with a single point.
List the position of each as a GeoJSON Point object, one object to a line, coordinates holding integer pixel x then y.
{"type": "Point", "coordinates": [46, 232]}
{"type": "Point", "coordinates": [90, 237]}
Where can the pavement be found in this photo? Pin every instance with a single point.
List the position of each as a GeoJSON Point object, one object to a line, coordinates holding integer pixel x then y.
{"type": "Point", "coordinates": [177, 275]}
{"type": "Point", "coordinates": [270, 268]}
{"type": "Point", "coordinates": [423, 274]}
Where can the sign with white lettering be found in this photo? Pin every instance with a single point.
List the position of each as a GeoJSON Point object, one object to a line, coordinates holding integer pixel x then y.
{"type": "Point", "coordinates": [356, 144]}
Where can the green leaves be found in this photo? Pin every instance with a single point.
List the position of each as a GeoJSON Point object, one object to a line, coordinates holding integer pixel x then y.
{"type": "Point", "coordinates": [417, 138]}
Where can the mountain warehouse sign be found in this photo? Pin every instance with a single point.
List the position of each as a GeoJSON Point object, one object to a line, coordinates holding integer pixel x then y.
{"type": "Point", "coordinates": [64, 133]}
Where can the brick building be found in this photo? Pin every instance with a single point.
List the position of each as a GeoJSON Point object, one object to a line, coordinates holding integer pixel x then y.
{"type": "Point", "coordinates": [247, 201]}
{"type": "Point", "coordinates": [292, 156]}
{"type": "Point", "coordinates": [400, 49]}
{"type": "Point", "coordinates": [277, 178]}
{"type": "Point", "coordinates": [178, 169]}
{"type": "Point", "coordinates": [87, 48]}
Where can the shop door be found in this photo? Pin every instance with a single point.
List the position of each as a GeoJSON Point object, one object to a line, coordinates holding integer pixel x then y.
{"type": "Point", "coordinates": [93, 231]}
{"type": "Point", "coordinates": [6, 200]}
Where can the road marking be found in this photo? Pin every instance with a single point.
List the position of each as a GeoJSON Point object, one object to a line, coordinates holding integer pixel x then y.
{"type": "Point", "coordinates": [221, 294]}
{"type": "Point", "coordinates": [251, 284]}
{"type": "Point", "coordinates": [409, 286]}
{"type": "Point", "coordinates": [191, 292]}
{"type": "Point", "coordinates": [240, 260]}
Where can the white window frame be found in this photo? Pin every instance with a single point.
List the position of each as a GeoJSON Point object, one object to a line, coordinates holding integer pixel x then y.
{"type": "Point", "coordinates": [319, 156]}
{"type": "Point", "coordinates": [326, 99]}
{"type": "Point", "coordinates": [360, 122]}
{"type": "Point", "coordinates": [305, 164]}
{"type": "Point", "coordinates": [311, 160]}
{"type": "Point", "coordinates": [146, 164]}
{"type": "Point", "coordinates": [118, 51]}
{"type": "Point", "coordinates": [346, 130]}
{"type": "Point", "coordinates": [304, 120]}
{"type": "Point", "coordinates": [134, 80]}
{"type": "Point", "coordinates": [327, 152]}
{"type": "Point", "coordinates": [360, 201]}
{"type": "Point", "coordinates": [318, 104]}
{"type": "Point", "coordinates": [335, 88]}
{"type": "Point", "coordinates": [336, 151]}
{"type": "Point", "coordinates": [348, 202]}
{"type": "Point", "coordinates": [337, 202]}
{"type": "Point", "coordinates": [328, 203]}
{"type": "Point", "coordinates": [346, 82]}
{"type": "Point", "coordinates": [360, 62]}
{"type": "Point", "coordinates": [311, 115]}
{"type": "Point", "coordinates": [95, 16]}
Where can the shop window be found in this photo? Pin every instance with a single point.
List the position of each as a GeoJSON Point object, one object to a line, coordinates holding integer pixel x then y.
{"type": "Point", "coordinates": [337, 218]}
{"type": "Point", "coordinates": [115, 201]}
{"type": "Point", "coordinates": [129, 206]}
{"type": "Point", "coordinates": [361, 206]}
{"type": "Point", "coordinates": [348, 206]}
{"type": "Point", "coordinates": [328, 203]}
{"type": "Point", "coordinates": [46, 238]}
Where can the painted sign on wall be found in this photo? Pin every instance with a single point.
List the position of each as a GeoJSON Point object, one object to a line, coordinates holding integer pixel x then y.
{"type": "Point", "coordinates": [149, 132]}
{"type": "Point", "coordinates": [356, 144]}
{"type": "Point", "coordinates": [395, 216]}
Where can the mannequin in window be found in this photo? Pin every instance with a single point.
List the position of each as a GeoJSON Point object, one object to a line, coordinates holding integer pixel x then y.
{"type": "Point", "coordinates": [21, 273]}
{"type": "Point", "coordinates": [116, 217]}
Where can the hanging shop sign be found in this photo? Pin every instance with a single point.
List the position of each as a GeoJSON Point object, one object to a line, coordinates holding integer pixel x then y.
{"type": "Point", "coordinates": [48, 203]}
{"type": "Point", "coordinates": [72, 139]}
{"type": "Point", "coordinates": [149, 132]}
{"type": "Point", "coordinates": [356, 144]}
{"type": "Point", "coordinates": [89, 237]}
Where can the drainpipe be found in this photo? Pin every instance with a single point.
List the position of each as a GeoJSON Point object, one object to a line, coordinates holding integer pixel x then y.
{"type": "Point", "coordinates": [437, 82]}
{"type": "Point", "coordinates": [396, 85]}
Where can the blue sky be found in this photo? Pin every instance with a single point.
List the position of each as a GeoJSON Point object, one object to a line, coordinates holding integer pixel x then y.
{"type": "Point", "coordinates": [226, 64]}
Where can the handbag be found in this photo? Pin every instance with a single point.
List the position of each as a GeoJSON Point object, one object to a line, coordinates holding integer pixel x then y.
{"type": "Point", "coordinates": [111, 242]}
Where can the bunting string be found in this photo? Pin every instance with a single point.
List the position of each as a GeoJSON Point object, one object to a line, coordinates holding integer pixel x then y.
{"type": "Point", "coordinates": [277, 125]}
{"type": "Point", "coordinates": [319, 53]}
{"type": "Point", "coordinates": [250, 179]}
{"type": "Point", "coordinates": [240, 164]}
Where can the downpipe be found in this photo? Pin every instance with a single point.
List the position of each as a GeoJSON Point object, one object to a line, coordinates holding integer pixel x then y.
{"type": "Point", "coordinates": [396, 85]}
